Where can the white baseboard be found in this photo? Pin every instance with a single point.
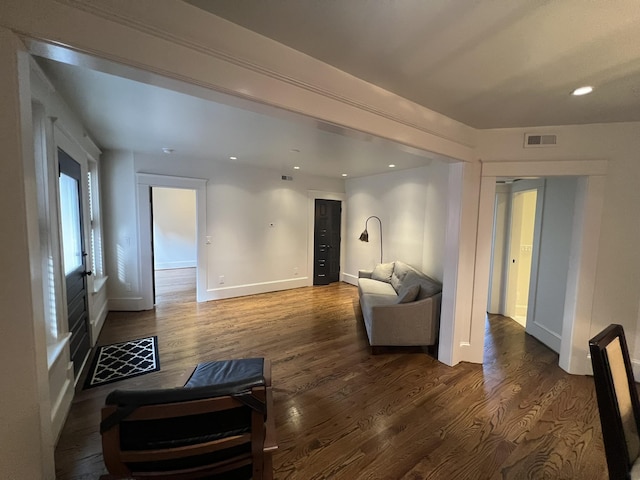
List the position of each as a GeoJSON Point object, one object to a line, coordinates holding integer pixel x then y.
{"type": "Point", "coordinates": [549, 338]}
{"type": "Point", "coordinates": [131, 304]}
{"type": "Point", "coordinates": [348, 278]}
{"type": "Point", "coordinates": [255, 288]}
{"type": "Point", "coordinates": [172, 265]}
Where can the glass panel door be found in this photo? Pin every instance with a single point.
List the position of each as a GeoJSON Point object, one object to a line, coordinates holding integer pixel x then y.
{"type": "Point", "coordinates": [70, 220]}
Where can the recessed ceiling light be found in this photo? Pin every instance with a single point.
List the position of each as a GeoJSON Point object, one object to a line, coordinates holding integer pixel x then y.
{"type": "Point", "coordinates": [296, 168]}
{"type": "Point", "coordinates": [392, 166]}
{"type": "Point", "coordinates": [233, 158]}
{"type": "Point", "coordinates": [167, 150]}
{"type": "Point", "coordinates": [344, 174]}
{"type": "Point", "coordinates": [582, 91]}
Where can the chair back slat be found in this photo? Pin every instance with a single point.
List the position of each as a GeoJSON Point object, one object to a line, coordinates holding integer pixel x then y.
{"type": "Point", "coordinates": [137, 456]}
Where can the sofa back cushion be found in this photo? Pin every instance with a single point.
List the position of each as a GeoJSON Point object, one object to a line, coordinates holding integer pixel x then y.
{"type": "Point", "coordinates": [400, 271]}
{"type": "Point", "coordinates": [428, 286]}
{"type": "Point", "coordinates": [408, 293]}
{"type": "Point", "coordinates": [382, 272]}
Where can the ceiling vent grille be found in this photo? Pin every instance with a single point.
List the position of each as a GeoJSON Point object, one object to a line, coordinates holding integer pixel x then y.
{"type": "Point", "coordinates": [288, 178]}
{"type": "Point", "coordinates": [533, 141]}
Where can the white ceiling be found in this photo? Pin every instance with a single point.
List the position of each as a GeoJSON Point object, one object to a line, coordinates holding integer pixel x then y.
{"type": "Point", "coordinates": [491, 63]}
{"type": "Point", "coordinates": [124, 114]}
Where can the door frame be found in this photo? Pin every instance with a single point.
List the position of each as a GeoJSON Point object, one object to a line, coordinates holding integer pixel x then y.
{"type": "Point", "coordinates": [576, 329]}
{"type": "Point", "coordinates": [144, 182]}
{"type": "Point", "coordinates": [317, 194]}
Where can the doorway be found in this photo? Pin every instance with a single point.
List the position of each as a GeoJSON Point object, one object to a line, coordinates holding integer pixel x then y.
{"type": "Point", "coordinates": [536, 224]}
{"type": "Point", "coordinates": [326, 251]}
{"type": "Point", "coordinates": [173, 244]}
{"type": "Point", "coordinates": [145, 182]}
{"type": "Point", "coordinates": [524, 244]}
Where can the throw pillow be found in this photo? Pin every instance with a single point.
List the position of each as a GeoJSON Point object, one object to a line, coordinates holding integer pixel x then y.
{"type": "Point", "coordinates": [383, 272]}
{"type": "Point", "coordinates": [408, 294]}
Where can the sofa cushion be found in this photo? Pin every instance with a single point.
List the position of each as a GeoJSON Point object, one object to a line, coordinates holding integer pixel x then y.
{"type": "Point", "coordinates": [408, 293]}
{"type": "Point", "coordinates": [400, 271]}
{"type": "Point", "coordinates": [382, 272]}
{"type": "Point", "coordinates": [370, 286]}
{"type": "Point", "coordinates": [428, 286]}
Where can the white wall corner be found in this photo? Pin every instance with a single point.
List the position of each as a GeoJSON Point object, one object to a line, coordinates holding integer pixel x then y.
{"type": "Point", "coordinates": [635, 365]}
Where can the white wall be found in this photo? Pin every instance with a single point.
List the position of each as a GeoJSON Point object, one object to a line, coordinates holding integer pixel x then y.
{"type": "Point", "coordinates": [242, 203]}
{"type": "Point", "coordinates": [616, 295]}
{"type": "Point", "coordinates": [174, 228]}
{"type": "Point", "coordinates": [26, 442]}
{"type": "Point", "coordinates": [121, 231]}
{"type": "Point", "coordinates": [498, 258]}
{"type": "Point", "coordinates": [412, 205]}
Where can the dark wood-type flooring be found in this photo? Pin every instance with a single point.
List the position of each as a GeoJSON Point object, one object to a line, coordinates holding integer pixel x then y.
{"type": "Point", "coordinates": [342, 413]}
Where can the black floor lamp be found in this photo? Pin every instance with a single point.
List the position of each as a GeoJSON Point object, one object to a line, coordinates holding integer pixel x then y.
{"type": "Point", "coordinates": [364, 236]}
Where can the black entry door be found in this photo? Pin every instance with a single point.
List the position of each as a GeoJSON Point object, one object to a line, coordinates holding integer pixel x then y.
{"type": "Point", "coordinates": [74, 257]}
{"type": "Point", "coordinates": [326, 258]}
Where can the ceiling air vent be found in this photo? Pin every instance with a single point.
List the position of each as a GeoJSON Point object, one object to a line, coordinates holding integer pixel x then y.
{"type": "Point", "coordinates": [531, 140]}
{"type": "Point", "coordinates": [288, 178]}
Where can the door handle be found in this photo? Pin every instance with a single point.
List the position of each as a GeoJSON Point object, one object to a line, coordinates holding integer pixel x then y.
{"type": "Point", "coordinates": [87, 273]}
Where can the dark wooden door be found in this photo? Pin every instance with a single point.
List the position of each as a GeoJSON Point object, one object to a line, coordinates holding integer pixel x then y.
{"type": "Point", "coordinates": [74, 257]}
{"type": "Point", "coordinates": [326, 258]}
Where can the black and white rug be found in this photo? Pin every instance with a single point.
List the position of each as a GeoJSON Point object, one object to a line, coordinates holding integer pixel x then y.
{"type": "Point", "coordinates": [123, 360]}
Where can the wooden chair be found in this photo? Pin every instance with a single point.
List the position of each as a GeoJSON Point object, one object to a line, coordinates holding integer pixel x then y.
{"type": "Point", "coordinates": [617, 402]}
{"type": "Point", "coordinates": [218, 426]}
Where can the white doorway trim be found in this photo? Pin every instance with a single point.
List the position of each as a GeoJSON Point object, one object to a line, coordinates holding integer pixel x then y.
{"type": "Point", "coordinates": [582, 267]}
{"type": "Point", "coordinates": [144, 183]}
{"type": "Point", "coordinates": [317, 194]}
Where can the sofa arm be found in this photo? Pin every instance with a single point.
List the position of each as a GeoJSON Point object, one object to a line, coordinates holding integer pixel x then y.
{"type": "Point", "coordinates": [413, 323]}
{"type": "Point", "coordinates": [365, 273]}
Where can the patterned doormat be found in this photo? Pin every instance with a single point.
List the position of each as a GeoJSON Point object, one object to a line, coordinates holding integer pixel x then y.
{"type": "Point", "coordinates": [123, 360]}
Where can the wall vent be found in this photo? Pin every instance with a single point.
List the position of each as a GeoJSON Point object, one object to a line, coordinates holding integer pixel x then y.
{"type": "Point", "coordinates": [532, 141]}
{"type": "Point", "coordinates": [287, 177]}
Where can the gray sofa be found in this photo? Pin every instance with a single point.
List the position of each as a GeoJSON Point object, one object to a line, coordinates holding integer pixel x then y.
{"type": "Point", "coordinates": [400, 305]}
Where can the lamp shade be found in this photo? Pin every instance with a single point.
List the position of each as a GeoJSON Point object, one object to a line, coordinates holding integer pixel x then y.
{"type": "Point", "coordinates": [364, 236]}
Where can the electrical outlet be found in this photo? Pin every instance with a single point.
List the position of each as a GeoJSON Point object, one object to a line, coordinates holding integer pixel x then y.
{"type": "Point", "coordinates": [221, 280]}
{"type": "Point", "coordinates": [295, 271]}
{"type": "Point", "coordinates": [128, 286]}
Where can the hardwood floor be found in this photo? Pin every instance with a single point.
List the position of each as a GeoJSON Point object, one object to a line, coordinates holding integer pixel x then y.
{"type": "Point", "coordinates": [342, 413]}
{"type": "Point", "coordinates": [177, 285]}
